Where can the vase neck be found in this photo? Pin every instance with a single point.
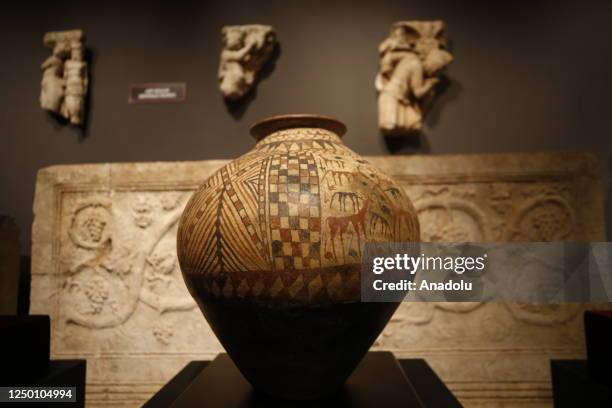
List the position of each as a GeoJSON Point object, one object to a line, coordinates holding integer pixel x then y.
{"type": "Point", "coordinates": [297, 126]}
{"type": "Point", "coordinates": [300, 135]}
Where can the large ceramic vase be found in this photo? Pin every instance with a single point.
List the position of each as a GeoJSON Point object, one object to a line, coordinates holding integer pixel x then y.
{"type": "Point", "coordinates": [270, 247]}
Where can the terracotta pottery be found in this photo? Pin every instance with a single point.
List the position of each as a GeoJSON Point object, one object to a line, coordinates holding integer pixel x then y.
{"type": "Point", "coordinates": [270, 248]}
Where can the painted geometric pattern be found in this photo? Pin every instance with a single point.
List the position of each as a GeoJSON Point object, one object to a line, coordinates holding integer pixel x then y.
{"type": "Point", "coordinates": [294, 211]}
{"type": "Point", "coordinates": [307, 139]}
{"type": "Point", "coordinates": [303, 135]}
{"type": "Point", "coordinates": [245, 192]}
{"type": "Point", "coordinates": [214, 244]}
{"type": "Point", "coordinates": [266, 235]}
{"type": "Point", "coordinates": [338, 283]}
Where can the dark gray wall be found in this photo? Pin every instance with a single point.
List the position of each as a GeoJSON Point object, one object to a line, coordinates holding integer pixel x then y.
{"type": "Point", "coordinates": [528, 76]}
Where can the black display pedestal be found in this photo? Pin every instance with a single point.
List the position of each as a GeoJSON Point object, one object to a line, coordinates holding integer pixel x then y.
{"type": "Point", "coordinates": [598, 333]}
{"type": "Point", "coordinates": [24, 353]}
{"type": "Point", "coordinates": [24, 348]}
{"type": "Point", "coordinates": [574, 386]}
{"type": "Point", "coordinates": [380, 380]}
{"type": "Point", "coordinates": [61, 373]}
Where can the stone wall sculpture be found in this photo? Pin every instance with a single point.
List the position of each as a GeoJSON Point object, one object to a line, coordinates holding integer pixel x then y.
{"type": "Point", "coordinates": [246, 48]}
{"type": "Point", "coordinates": [65, 76]}
{"type": "Point", "coordinates": [411, 59]}
{"type": "Point", "coordinates": [104, 268]}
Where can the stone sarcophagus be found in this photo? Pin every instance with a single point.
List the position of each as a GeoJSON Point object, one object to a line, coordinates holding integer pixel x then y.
{"type": "Point", "coordinates": [104, 267]}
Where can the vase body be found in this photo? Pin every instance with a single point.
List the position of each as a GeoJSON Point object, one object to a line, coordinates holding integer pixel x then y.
{"type": "Point", "coordinates": [270, 248]}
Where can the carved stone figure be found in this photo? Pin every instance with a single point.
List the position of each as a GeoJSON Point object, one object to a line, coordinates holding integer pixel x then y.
{"type": "Point", "coordinates": [246, 48]}
{"type": "Point", "coordinates": [65, 77]}
{"type": "Point", "coordinates": [410, 62]}
{"type": "Point", "coordinates": [116, 296]}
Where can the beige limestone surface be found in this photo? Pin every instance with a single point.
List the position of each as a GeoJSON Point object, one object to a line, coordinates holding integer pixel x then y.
{"type": "Point", "coordinates": [104, 267]}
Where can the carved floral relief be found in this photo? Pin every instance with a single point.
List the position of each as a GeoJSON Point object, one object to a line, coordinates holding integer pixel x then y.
{"type": "Point", "coordinates": [113, 265]}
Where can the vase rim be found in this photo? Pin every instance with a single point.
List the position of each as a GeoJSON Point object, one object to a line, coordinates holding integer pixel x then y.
{"type": "Point", "coordinates": [272, 124]}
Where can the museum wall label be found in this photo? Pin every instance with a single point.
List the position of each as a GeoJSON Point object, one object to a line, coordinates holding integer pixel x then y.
{"type": "Point", "coordinates": [158, 92]}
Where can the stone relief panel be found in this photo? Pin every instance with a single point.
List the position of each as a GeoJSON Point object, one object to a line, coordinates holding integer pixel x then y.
{"type": "Point", "coordinates": [104, 267]}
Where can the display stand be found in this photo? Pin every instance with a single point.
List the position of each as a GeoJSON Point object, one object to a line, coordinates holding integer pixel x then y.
{"type": "Point", "coordinates": [598, 333]}
{"type": "Point", "coordinates": [574, 386]}
{"type": "Point", "coordinates": [24, 348]}
{"type": "Point", "coordinates": [61, 373]}
{"type": "Point", "coordinates": [24, 352]}
{"type": "Point", "coordinates": [380, 380]}
{"type": "Point", "coordinates": [587, 383]}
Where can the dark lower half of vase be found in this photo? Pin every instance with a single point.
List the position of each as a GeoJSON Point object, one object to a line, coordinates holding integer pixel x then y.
{"type": "Point", "coordinates": [296, 351]}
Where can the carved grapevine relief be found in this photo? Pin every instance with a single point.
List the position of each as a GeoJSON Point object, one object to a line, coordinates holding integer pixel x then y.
{"type": "Point", "coordinates": [544, 314]}
{"type": "Point", "coordinates": [543, 219]}
{"type": "Point", "coordinates": [109, 276]}
{"type": "Point", "coordinates": [90, 227]}
{"type": "Point", "coordinates": [451, 220]}
{"type": "Point", "coordinates": [495, 212]}
{"type": "Point", "coordinates": [143, 213]}
{"type": "Point", "coordinates": [163, 333]}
